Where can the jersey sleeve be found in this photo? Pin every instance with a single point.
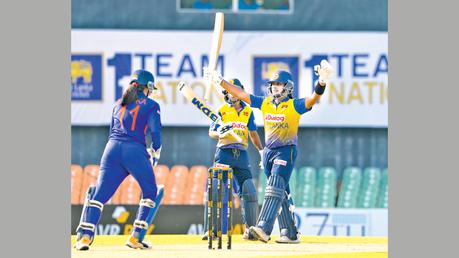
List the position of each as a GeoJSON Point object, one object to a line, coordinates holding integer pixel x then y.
{"type": "Point", "coordinates": [300, 106]}
{"type": "Point", "coordinates": [251, 124]}
{"type": "Point", "coordinates": [256, 101]}
{"type": "Point", "coordinates": [154, 123]}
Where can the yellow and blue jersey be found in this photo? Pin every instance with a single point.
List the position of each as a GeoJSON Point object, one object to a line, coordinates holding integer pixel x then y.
{"type": "Point", "coordinates": [281, 120]}
{"type": "Point", "coordinates": [131, 122]}
{"type": "Point", "coordinates": [243, 122]}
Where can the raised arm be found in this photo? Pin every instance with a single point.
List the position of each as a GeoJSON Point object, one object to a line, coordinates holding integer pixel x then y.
{"type": "Point", "coordinates": [217, 79]}
{"type": "Point", "coordinates": [318, 91]}
{"type": "Point", "coordinates": [325, 72]}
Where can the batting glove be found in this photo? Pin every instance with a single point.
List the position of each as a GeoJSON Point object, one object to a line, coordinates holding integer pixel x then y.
{"type": "Point", "coordinates": [261, 159]}
{"type": "Point", "coordinates": [325, 71]}
{"type": "Point", "coordinates": [224, 130]}
{"type": "Point", "coordinates": [154, 156]}
{"type": "Point", "coordinates": [212, 76]}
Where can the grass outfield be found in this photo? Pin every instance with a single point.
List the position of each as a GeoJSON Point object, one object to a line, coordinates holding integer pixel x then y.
{"type": "Point", "coordinates": [165, 246]}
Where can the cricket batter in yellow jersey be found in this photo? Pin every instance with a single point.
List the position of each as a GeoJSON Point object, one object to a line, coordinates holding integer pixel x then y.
{"type": "Point", "coordinates": [281, 114]}
{"type": "Point", "coordinates": [238, 117]}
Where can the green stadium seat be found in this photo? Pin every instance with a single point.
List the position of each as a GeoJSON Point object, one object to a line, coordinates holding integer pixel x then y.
{"type": "Point", "coordinates": [326, 188]}
{"type": "Point", "coordinates": [350, 186]}
{"type": "Point", "coordinates": [261, 186]}
{"type": "Point", "coordinates": [370, 188]}
{"type": "Point", "coordinates": [306, 187]}
{"type": "Point", "coordinates": [292, 182]}
{"type": "Point", "coordinates": [383, 192]}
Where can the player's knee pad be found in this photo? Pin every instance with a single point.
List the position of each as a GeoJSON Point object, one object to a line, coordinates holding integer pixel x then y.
{"type": "Point", "coordinates": [153, 207]}
{"type": "Point", "coordinates": [249, 192]}
{"type": "Point", "coordinates": [273, 199]}
{"type": "Point", "coordinates": [249, 202]}
{"type": "Point", "coordinates": [147, 203]}
{"type": "Point", "coordinates": [286, 218]}
{"type": "Point", "coordinates": [90, 214]}
{"type": "Point", "coordinates": [141, 224]}
{"type": "Point", "coordinates": [96, 204]}
{"type": "Point", "coordinates": [275, 187]}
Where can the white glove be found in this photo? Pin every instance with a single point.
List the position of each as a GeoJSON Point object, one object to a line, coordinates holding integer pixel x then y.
{"type": "Point", "coordinates": [154, 156]}
{"type": "Point", "coordinates": [325, 71]}
{"type": "Point", "coordinates": [224, 129]}
{"type": "Point", "coordinates": [212, 76]}
{"type": "Point", "coordinates": [261, 159]}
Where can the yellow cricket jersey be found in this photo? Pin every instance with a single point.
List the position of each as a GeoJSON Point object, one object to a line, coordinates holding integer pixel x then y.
{"type": "Point", "coordinates": [242, 123]}
{"type": "Point", "coordinates": [281, 121]}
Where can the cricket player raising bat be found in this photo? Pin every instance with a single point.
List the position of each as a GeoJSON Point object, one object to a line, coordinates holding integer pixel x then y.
{"type": "Point", "coordinates": [281, 114]}
{"type": "Point", "coordinates": [236, 116]}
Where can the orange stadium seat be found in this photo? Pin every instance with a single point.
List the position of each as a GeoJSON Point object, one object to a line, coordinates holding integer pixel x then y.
{"type": "Point", "coordinates": [174, 191]}
{"type": "Point", "coordinates": [116, 198]}
{"type": "Point", "coordinates": [195, 185]}
{"type": "Point", "coordinates": [130, 191]}
{"type": "Point", "coordinates": [90, 174]}
{"type": "Point", "coordinates": [161, 174]}
{"type": "Point", "coordinates": [76, 182]}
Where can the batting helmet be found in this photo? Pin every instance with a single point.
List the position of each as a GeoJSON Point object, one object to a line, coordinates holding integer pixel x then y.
{"type": "Point", "coordinates": [235, 82]}
{"type": "Point", "coordinates": [144, 78]}
{"type": "Point", "coordinates": [285, 78]}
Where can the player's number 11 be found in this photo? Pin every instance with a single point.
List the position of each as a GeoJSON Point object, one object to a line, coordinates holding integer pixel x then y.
{"type": "Point", "coordinates": [134, 112]}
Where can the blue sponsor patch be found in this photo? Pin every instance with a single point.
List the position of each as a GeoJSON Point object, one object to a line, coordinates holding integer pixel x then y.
{"type": "Point", "coordinates": [86, 77]}
{"type": "Point", "coordinates": [265, 67]}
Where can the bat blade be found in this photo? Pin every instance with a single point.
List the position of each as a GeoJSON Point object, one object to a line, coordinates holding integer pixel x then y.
{"type": "Point", "coordinates": [217, 37]}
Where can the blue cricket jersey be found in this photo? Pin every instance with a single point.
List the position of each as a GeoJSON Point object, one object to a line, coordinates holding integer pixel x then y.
{"type": "Point", "coordinates": [131, 122]}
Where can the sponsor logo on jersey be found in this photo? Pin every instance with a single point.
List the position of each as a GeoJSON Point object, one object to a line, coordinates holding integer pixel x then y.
{"type": "Point", "coordinates": [280, 162]}
{"type": "Point", "coordinates": [220, 165]}
{"type": "Point", "coordinates": [275, 117]}
{"type": "Point", "coordinates": [239, 125]}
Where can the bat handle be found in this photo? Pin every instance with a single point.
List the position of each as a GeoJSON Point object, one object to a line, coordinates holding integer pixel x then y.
{"type": "Point", "coordinates": [208, 91]}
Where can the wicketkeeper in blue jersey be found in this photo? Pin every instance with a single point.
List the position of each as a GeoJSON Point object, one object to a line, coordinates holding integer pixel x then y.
{"type": "Point", "coordinates": [126, 153]}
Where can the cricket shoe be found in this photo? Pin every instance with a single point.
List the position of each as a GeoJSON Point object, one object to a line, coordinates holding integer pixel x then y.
{"type": "Point", "coordinates": [259, 234]}
{"type": "Point", "coordinates": [83, 243]}
{"type": "Point", "coordinates": [286, 240]}
{"type": "Point", "coordinates": [134, 243]}
{"type": "Point", "coordinates": [247, 236]}
{"type": "Point", "coordinates": [206, 237]}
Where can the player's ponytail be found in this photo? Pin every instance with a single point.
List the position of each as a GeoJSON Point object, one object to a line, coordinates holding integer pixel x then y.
{"type": "Point", "coordinates": [130, 95]}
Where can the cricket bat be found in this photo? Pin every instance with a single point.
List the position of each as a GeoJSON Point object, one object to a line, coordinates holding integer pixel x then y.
{"type": "Point", "coordinates": [215, 49]}
{"type": "Point", "coordinates": [191, 96]}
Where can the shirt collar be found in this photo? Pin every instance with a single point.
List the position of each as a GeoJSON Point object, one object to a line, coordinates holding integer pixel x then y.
{"type": "Point", "coordinates": [284, 100]}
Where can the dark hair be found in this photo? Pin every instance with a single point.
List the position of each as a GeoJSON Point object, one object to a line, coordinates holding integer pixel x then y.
{"type": "Point", "coordinates": [131, 95]}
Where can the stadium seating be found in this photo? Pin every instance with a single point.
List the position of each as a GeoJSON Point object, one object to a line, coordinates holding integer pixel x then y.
{"type": "Point", "coordinates": [293, 184]}
{"type": "Point", "coordinates": [306, 187]}
{"type": "Point", "coordinates": [326, 188]}
{"type": "Point", "coordinates": [75, 183]}
{"type": "Point", "coordinates": [195, 185]}
{"type": "Point", "coordinates": [370, 188]}
{"type": "Point", "coordinates": [350, 187]}
{"type": "Point", "coordinates": [176, 182]}
{"type": "Point", "coordinates": [261, 186]}
{"type": "Point", "coordinates": [383, 192]}
{"type": "Point", "coordinates": [90, 174]}
{"type": "Point", "coordinates": [309, 187]}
